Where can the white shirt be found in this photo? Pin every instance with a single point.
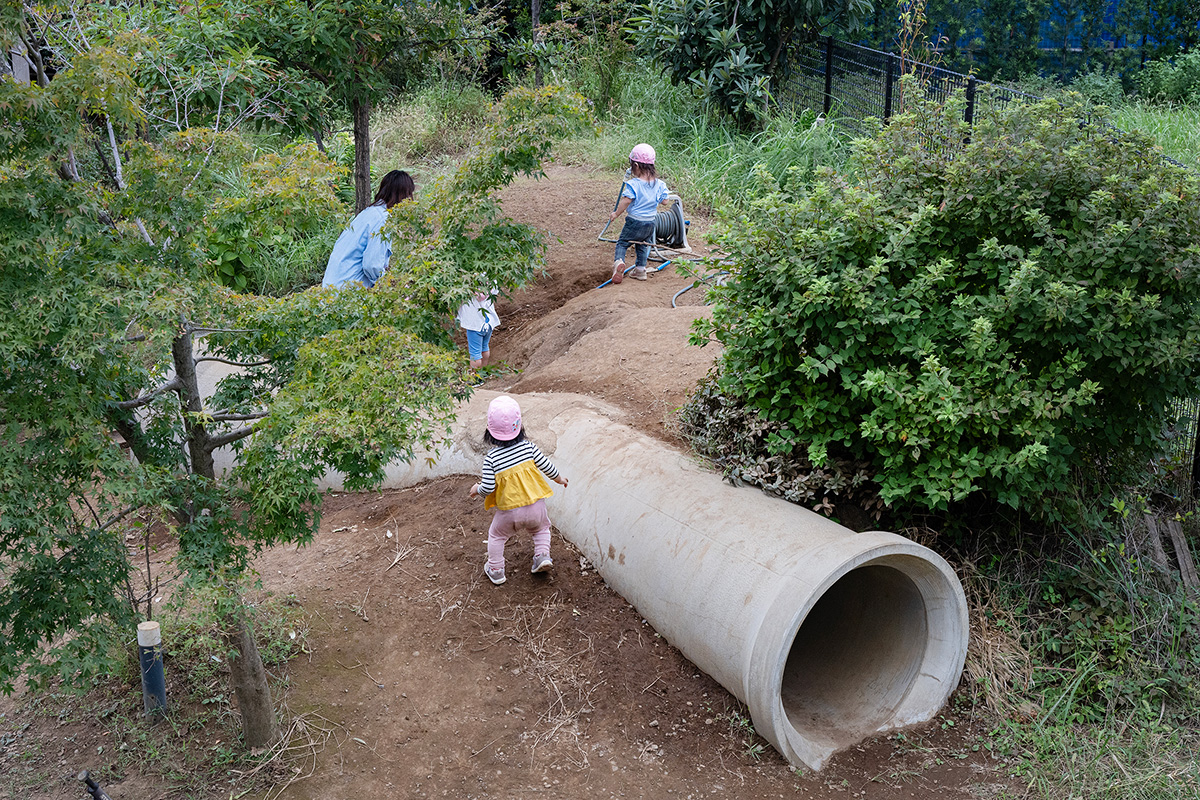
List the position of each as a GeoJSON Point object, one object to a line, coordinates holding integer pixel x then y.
{"type": "Point", "coordinates": [479, 312]}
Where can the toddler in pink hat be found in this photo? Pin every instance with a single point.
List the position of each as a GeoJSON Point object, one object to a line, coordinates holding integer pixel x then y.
{"type": "Point", "coordinates": [641, 196]}
{"type": "Point", "coordinates": [514, 483]}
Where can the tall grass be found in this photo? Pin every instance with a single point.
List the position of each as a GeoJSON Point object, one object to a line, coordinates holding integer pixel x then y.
{"type": "Point", "coordinates": [424, 132]}
{"type": "Point", "coordinates": [700, 155]}
{"type": "Point", "coordinates": [1175, 127]}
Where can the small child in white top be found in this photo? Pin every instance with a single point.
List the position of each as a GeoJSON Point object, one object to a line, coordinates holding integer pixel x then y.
{"type": "Point", "coordinates": [478, 318]}
{"type": "Point", "coordinates": [512, 483]}
{"type": "Point", "coordinates": [641, 195]}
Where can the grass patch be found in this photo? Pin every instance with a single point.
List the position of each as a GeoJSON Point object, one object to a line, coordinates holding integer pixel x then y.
{"type": "Point", "coordinates": [427, 131]}
{"type": "Point", "coordinates": [1176, 128]}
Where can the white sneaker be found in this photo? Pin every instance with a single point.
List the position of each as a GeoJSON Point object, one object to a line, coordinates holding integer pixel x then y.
{"type": "Point", "coordinates": [496, 576]}
{"type": "Point", "coordinates": [541, 564]}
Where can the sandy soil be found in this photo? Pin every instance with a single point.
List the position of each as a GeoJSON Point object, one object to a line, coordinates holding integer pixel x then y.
{"type": "Point", "coordinates": [434, 683]}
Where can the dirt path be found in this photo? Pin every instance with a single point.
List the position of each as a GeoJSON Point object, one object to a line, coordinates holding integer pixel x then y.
{"type": "Point", "coordinates": [434, 683]}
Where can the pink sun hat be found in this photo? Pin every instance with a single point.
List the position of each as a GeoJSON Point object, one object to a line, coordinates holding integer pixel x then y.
{"type": "Point", "coordinates": [504, 418]}
{"type": "Point", "coordinates": [642, 153]}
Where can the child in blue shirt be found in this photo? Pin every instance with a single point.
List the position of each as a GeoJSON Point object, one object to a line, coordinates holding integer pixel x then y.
{"type": "Point", "coordinates": [641, 196]}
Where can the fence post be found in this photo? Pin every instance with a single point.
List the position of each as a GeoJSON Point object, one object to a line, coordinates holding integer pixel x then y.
{"type": "Point", "coordinates": [828, 74]}
{"type": "Point", "coordinates": [969, 112]}
{"type": "Point", "coordinates": [887, 87]}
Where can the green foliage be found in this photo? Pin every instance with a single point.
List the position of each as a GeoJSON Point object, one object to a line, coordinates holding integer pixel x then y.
{"type": "Point", "coordinates": [969, 318]}
{"type": "Point", "coordinates": [1174, 80]}
{"type": "Point", "coordinates": [750, 449]}
{"type": "Point", "coordinates": [1129, 644]}
{"type": "Point", "coordinates": [1100, 86]}
{"type": "Point", "coordinates": [110, 303]}
{"type": "Point", "coordinates": [586, 47]}
{"type": "Point", "coordinates": [265, 206]}
{"type": "Point", "coordinates": [731, 52]}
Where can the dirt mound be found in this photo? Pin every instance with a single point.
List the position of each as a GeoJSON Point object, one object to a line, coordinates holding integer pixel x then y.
{"type": "Point", "coordinates": [622, 343]}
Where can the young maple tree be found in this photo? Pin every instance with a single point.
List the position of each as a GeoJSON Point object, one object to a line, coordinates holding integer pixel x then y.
{"type": "Point", "coordinates": [111, 316]}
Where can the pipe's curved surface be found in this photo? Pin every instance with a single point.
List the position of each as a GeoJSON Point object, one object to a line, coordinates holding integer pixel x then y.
{"type": "Point", "coordinates": [827, 635]}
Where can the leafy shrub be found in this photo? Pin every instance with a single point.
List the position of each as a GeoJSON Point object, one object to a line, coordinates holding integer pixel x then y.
{"type": "Point", "coordinates": [739, 438]}
{"type": "Point", "coordinates": [1172, 81]}
{"type": "Point", "coordinates": [968, 318]}
{"type": "Point", "coordinates": [270, 202]}
{"type": "Point", "coordinates": [1100, 86]}
{"type": "Point", "coordinates": [730, 52]}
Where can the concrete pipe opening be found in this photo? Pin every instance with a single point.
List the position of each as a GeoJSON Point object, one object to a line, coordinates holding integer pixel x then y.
{"type": "Point", "coordinates": [877, 645]}
{"type": "Point", "coordinates": [855, 656]}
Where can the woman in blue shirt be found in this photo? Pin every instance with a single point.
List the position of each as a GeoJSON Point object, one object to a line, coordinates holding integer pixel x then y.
{"type": "Point", "coordinates": [360, 253]}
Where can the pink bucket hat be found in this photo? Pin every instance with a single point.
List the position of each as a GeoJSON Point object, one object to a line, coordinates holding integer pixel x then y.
{"type": "Point", "coordinates": [643, 154]}
{"type": "Point", "coordinates": [504, 418]}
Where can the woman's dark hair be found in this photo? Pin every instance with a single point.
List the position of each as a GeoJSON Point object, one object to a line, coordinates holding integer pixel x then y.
{"type": "Point", "coordinates": [492, 440]}
{"type": "Point", "coordinates": [639, 167]}
{"type": "Point", "coordinates": [397, 185]}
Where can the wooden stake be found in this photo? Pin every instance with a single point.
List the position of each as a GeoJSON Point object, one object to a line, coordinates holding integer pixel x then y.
{"type": "Point", "coordinates": [1187, 567]}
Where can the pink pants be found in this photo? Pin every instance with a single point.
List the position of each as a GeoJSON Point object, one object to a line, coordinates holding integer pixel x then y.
{"type": "Point", "coordinates": [532, 518]}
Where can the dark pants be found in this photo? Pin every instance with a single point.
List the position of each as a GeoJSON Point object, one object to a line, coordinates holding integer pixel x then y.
{"type": "Point", "coordinates": [635, 231]}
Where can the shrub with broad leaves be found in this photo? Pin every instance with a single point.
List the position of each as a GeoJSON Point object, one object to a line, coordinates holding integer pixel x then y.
{"type": "Point", "coordinates": [974, 310]}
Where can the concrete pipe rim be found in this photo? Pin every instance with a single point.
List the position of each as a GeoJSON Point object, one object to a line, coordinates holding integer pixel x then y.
{"type": "Point", "coordinates": [811, 704]}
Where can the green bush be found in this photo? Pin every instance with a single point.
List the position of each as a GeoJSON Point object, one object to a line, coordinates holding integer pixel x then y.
{"type": "Point", "coordinates": [986, 317]}
{"type": "Point", "coordinates": [1172, 81]}
{"type": "Point", "coordinates": [265, 211]}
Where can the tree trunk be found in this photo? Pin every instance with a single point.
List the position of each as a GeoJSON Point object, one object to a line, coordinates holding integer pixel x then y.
{"type": "Point", "coordinates": [248, 679]}
{"type": "Point", "coordinates": [535, 15]}
{"type": "Point", "coordinates": [189, 395]}
{"type": "Point", "coordinates": [360, 110]}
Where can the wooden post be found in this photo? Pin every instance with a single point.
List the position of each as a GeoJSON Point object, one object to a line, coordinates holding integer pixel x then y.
{"type": "Point", "coordinates": [1158, 556]}
{"type": "Point", "coordinates": [1187, 567]}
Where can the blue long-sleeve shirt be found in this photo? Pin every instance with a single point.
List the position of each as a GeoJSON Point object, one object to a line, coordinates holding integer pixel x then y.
{"type": "Point", "coordinates": [360, 253]}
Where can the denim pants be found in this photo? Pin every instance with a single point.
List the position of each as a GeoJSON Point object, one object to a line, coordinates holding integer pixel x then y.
{"type": "Point", "coordinates": [525, 519]}
{"type": "Point", "coordinates": [635, 230]}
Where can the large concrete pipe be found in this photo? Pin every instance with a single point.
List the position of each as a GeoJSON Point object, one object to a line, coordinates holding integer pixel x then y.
{"type": "Point", "coordinates": [827, 635]}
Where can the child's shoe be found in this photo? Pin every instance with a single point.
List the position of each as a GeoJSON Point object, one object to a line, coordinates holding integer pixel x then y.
{"type": "Point", "coordinates": [618, 271]}
{"type": "Point", "coordinates": [541, 564]}
{"type": "Point", "coordinates": [496, 576]}
{"type": "Point", "coordinates": [638, 274]}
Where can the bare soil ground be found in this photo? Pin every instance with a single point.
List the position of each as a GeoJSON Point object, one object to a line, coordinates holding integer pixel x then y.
{"type": "Point", "coordinates": [431, 682]}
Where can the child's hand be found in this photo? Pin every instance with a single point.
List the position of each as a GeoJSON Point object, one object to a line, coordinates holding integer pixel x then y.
{"type": "Point", "coordinates": [474, 491]}
{"type": "Point", "coordinates": [560, 480]}
{"type": "Point", "coordinates": [613, 216]}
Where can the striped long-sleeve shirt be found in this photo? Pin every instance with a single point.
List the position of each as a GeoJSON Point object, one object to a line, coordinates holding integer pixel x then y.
{"type": "Point", "coordinates": [512, 476]}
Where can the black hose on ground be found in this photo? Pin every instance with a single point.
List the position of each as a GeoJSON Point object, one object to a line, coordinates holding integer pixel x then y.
{"type": "Point", "coordinates": [696, 283]}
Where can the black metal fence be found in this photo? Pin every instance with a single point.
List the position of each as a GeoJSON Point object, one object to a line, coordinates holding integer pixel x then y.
{"type": "Point", "coordinates": [855, 83]}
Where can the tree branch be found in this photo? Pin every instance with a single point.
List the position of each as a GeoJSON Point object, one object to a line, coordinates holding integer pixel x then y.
{"type": "Point", "coordinates": [171, 385]}
{"type": "Point", "coordinates": [237, 417]}
{"type": "Point", "coordinates": [223, 439]}
{"type": "Point", "coordinates": [236, 363]}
